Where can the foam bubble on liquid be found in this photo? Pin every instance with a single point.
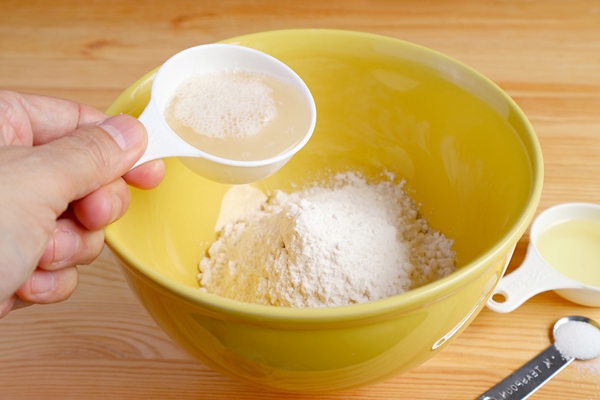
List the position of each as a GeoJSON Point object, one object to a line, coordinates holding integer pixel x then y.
{"type": "Point", "coordinates": [224, 104]}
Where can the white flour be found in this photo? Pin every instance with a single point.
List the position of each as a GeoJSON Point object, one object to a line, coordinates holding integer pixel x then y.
{"type": "Point", "coordinates": [350, 243]}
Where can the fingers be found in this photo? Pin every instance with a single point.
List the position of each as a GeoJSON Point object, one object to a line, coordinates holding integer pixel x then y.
{"type": "Point", "coordinates": [6, 305]}
{"type": "Point", "coordinates": [11, 304]}
{"type": "Point", "coordinates": [71, 244]}
{"type": "Point", "coordinates": [146, 176]}
{"type": "Point", "coordinates": [103, 206]}
{"type": "Point", "coordinates": [44, 287]}
{"type": "Point", "coordinates": [91, 157]}
{"type": "Point", "coordinates": [46, 118]}
{"type": "Point", "coordinates": [56, 277]}
{"type": "Point", "coordinates": [31, 119]}
{"type": "Point", "coordinates": [75, 164]}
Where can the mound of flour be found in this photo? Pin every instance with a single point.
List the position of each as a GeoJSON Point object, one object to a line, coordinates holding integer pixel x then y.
{"type": "Point", "coordinates": [349, 243]}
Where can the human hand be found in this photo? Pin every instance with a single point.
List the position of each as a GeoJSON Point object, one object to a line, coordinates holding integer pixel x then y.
{"type": "Point", "coordinates": [63, 177]}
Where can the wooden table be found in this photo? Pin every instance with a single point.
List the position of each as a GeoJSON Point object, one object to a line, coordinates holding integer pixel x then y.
{"type": "Point", "coordinates": [102, 344]}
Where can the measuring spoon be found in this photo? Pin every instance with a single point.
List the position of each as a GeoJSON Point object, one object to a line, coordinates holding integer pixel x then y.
{"type": "Point", "coordinates": [163, 142]}
{"type": "Point", "coordinates": [534, 374]}
{"type": "Point", "coordinates": [538, 273]}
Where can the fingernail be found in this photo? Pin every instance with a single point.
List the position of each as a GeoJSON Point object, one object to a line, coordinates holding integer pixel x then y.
{"type": "Point", "coordinates": [42, 282]}
{"type": "Point", "coordinates": [124, 129]}
{"type": "Point", "coordinates": [66, 245]}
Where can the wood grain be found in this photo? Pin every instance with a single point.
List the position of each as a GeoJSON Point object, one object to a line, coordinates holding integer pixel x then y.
{"type": "Point", "coordinates": [102, 344]}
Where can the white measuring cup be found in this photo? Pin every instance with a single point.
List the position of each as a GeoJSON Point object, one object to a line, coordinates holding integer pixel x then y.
{"type": "Point", "coordinates": [163, 142]}
{"type": "Point", "coordinates": [535, 275]}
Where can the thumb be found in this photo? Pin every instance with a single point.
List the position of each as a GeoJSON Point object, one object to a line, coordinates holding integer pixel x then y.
{"type": "Point", "coordinates": [38, 183]}
{"type": "Point", "coordinates": [94, 155]}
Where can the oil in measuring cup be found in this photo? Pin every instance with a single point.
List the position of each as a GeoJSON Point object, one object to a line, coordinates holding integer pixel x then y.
{"type": "Point", "coordinates": [563, 256]}
{"type": "Point", "coordinates": [572, 247]}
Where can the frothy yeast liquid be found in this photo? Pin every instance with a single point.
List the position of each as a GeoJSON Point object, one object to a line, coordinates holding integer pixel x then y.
{"type": "Point", "coordinates": [238, 115]}
{"type": "Point", "coordinates": [573, 248]}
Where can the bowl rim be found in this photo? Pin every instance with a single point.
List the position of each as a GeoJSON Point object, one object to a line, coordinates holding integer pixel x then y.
{"type": "Point", "coordinates": [366, 311]}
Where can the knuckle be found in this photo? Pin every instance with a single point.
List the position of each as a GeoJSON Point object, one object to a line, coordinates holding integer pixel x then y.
{"type": "Point", "coordinates": [99, 153]}
{"type": "Point", "coordinates": [93, 245]}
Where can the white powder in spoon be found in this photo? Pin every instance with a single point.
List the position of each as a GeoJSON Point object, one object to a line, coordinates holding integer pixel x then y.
{"type": "Point", "coordinates": [578, 339]}
{"type": "Point", "coordinates": [327, 246]}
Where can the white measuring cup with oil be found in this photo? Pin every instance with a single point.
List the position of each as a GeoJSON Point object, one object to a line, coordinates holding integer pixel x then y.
{"type": "Point", "coordinates": [163, 142]}
{"type": "Point", "coordinates": [563, 256]}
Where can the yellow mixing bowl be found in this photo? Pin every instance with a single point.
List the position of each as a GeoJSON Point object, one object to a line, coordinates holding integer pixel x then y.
{"type": "Point", "coordinates": [470, 159]}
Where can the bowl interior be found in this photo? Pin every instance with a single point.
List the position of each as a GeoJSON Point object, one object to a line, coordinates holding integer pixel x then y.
{"type": "Point", "coordinates": [467, 153]}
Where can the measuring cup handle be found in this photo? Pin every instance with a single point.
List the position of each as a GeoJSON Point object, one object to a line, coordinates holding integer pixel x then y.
{"type": "Point", "coordinates": [534, 276]}
{"type": "Point", "coordinates": [162, 142]}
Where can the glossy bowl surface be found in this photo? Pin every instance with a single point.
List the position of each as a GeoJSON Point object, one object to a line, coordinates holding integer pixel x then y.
{"type": "Point", "coordinates": [469, 157]}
